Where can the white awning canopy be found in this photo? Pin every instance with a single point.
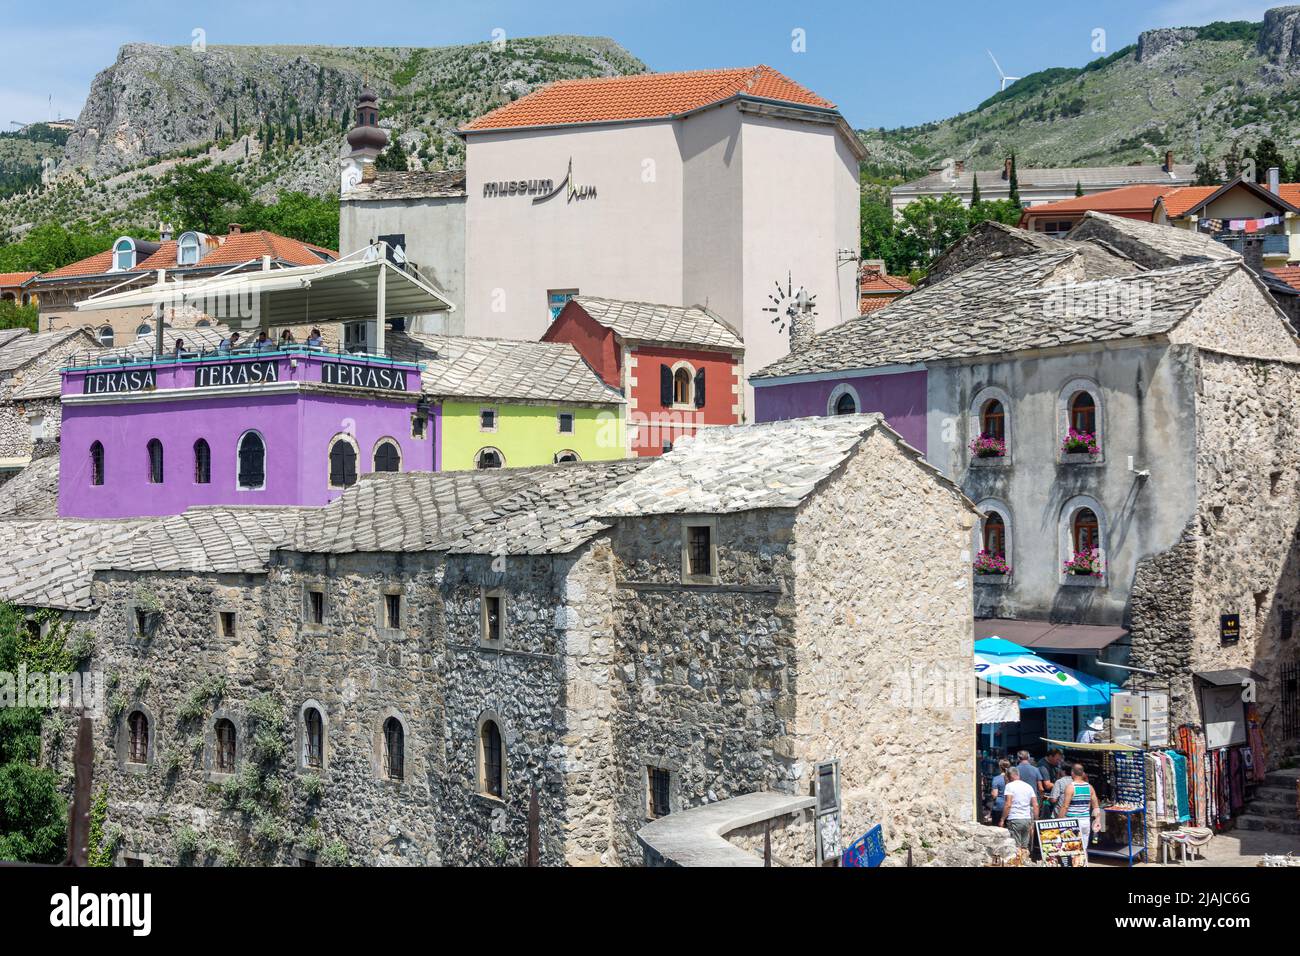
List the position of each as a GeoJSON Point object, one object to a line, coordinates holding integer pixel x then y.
{"type": "Point", "coordinates": [334, 291]}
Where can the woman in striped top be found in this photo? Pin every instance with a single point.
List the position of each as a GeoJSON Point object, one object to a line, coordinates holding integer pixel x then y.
{"type": "Point", "coordinates": [1080, 800]}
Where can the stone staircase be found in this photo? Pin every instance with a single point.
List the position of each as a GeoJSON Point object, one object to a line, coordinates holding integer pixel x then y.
{"type": "Point", "coordinates": [1273, 807]}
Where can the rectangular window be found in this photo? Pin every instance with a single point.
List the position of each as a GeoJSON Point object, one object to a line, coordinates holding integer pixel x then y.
{"type": "Point", "coordinates": [132, 861]}
{"type": "Point", "coordinates": [392, 611]}
{"type": "Point", "coordinates": [227, 623]}
{"type": "Point", "coordinates": [699, 550]}
{"type": "Point", "coordinates": [566, 423]}
{"type": "Point", "coordinates": [492, 611]}
{"type": "Point", "coordinates": [316, 606]}
{"type": "Point", "coordinates": [417, 426]}
{"type": "Point", "coordinates": [659, 788]}
{"type": "Point", "coordinates": [141, 622]}
{"type": "Point", "coordinates": [487, 420]}
{"type": "Point", "coordinates": [557, 299]}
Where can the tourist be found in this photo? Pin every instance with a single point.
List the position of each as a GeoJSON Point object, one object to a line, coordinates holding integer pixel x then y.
{"type": "Point", "coordinates": [264, 343]}
{"type": "Point", "coordinates": [286, 338]}
{"type": "Point", "coordinates": [1080, 801]}
{"type": "Point", "coordinates": [229, 343]}
{"type": "Point", "coordinates": [314, 340]}
{"type": "Point", "coordinates": [1052, 768]}
{"type": "Point", "coordinates": [1092, 732]}
{"type": "Point", "coordinates": [1020, 809]}
{"type": "Point", "coordinates": [178, 350]}
{"type": "Point", "coordinates": [1028, 772]}
{"type": "Point", "coordinates": [998, 788]}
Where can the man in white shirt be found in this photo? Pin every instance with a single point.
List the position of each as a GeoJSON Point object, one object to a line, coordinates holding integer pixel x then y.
{"type": "Point", "coordinates": [1019, 809]}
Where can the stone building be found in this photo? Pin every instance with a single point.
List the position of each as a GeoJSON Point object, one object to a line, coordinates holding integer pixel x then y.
{"type": "Point", "coordinates": [386, 679]}
{"type": "Point", "coordinates": [26, 420]}
{"type": "Point", "coordinates": [1129, 436]}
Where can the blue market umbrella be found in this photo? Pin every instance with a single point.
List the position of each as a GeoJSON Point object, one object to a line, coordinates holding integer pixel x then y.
{"type": "Point", "coordinates": [1040, 682]}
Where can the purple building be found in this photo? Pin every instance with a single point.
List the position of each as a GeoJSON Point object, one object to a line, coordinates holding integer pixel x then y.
{"type": "Point", "coordinates": [292, 427]}
{"type": "Point", "coordinates": [898, 395]}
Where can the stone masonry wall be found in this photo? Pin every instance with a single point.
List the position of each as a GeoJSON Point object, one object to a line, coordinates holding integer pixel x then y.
{"type": "Point", "coordinates": [884, 676]}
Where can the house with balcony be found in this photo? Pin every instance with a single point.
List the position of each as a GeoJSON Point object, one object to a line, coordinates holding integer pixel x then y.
{"type": "Point", "coordinates": [1128, 436]}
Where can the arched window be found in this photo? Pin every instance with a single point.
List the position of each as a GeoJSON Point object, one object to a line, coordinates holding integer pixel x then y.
{"type": "Point", "coordinates": [252, 462]}
{"type": "Point", "coordinates": [843, 400]}
{"type": "Point", "coordinates": [313, 738]}
{"type": "Point", "coordinates": [682, 386]}
{"type": "Point", "coordinates": [394, 749]}
{"type": "Point", "coordinates": [846, 405]}
{"type": "Point", "coordinates": [489, 458]}
{"type": "Point", "coordinates": [1083, 413]}
{"type": "Point", "coordinates": [224, 754]}
{"type": "Point", "coordinates": [202, 324]}
{"type": "Point", "coordinates": [96, 463]}
{"type": "Point", "coordinates": [995, 534]}
{"type": "Point", "coordinates": [138, 728]}
{"type": "Point", "coordinates": [1085, 531]}
{"type": "Point", "coordinates": [491, 760]}
{"type": "Point", "coordinates": [993, 420]}
{"type": "Point", "coordinates": [155, 462]}
{"type": "Point", "coordinates": [387, 456]}
{"type": "Point", "coordinates": [343, 463]}
{"type": "Point", "coordinates": [105, 336]}
{"type": "Point", "coordinates": [567, 455]}
{"type": "Point", "coordinates": [123, 254]}
{"type": "Point", "coordinates": [187, 250]}
{"type": "Point", "coordinates": [202, 463]}
{"type": "Point", "coordinates": [143, 330]}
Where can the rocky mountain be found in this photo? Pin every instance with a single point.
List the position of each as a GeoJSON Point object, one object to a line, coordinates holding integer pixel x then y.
{"type": "Point", "coordinates": [278, 113]}
{"type": "Point", "coordinates": [1191, 89]}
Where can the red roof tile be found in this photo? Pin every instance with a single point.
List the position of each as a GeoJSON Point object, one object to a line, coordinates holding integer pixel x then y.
{"type": "Point", "coordinates": [1140, 198]}
{"type": "Point", "coordinates": [1178, 201]}
{"type": "Point", "coordinates": [1288, 274]}
{"type": "Point", "coordinates": [229, 250]}
{"type": "Point", "coordinates": [643, 96]}
{"type": "Point", "coordinates": [9, 279]}
{"type": "Point", "coordinates": [884, 283]}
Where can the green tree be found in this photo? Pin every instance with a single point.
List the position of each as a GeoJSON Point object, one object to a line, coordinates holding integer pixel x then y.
{"type": "Point", "coordinates": [975, 189]}
{"type": "Point", "coordinates": [1231, 163]}
{"type": "Point", "coordinates": [297, 215]}
{"type": "Point", "coordinates": [393, 158]}
{"type": "Point", "coordinates": [1267, 155]}
{"type": "Point", "coordinates": [929, 226]}
{"type": "Point", "coordinates": [879, 229]}
{"type": "Point", "coordinates": [1206, 174]}
{"type": "Point", "coordinates": [199, 196]}
{"type": "Point", "coordinates": [15, 316]}
{"type": "Point", "coordinates": [1014, 194]}
{"type": "Point", "coordinates": [997, 210]}
{"type": "Point", "coordinates": [1078, 188]}
{"type": "Point", "coordinates": [33, 816]}
{"type": "Point", "coordinates": [51, 245]}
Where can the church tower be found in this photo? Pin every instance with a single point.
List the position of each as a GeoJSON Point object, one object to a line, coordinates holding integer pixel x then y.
{"type": "Point", "coordinates": [367, 140]}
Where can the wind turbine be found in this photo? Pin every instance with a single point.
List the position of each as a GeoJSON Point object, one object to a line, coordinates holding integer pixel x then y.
{"type": "Point", "coordinates": [1006, 80]}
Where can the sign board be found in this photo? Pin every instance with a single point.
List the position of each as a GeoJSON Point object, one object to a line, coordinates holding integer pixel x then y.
{"type": "Point", "coordinates": [1061, 839]}
{"type": "Point", "coordinates": [1140, 718]}
{"type": "Point", "coordinates": [1229, 628]}
{"type": "Point", "coordinates": [826, 821]}
{"type": "Point", "coordinates": [364, 376]}
{"type": "Point", "coordinates": [1224, 716]}
{"type": "Point", "coordinates": [866, 850]}
{"type": "Point", "coordinates": [258, 372]}
{"type": "Point", "coordinates": [122, 380]}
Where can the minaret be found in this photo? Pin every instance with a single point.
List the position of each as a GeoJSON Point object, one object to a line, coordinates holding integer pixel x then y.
{"type": "Point", "coordinates": [367, 140]}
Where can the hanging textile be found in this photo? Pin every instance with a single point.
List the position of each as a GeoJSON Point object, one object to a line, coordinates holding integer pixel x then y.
{"type": "Point", "coordinates": [1179, 763]}
{"type": "Point", "coordinates": [1258, 751]}
{"type": "Point", "coordinates": [1196, 773]}
{"type": "Point", "coordinates": [1237, 783]}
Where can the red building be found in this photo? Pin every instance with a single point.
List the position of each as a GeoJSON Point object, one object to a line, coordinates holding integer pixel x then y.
{"type": "Point", "coordinates": [877, 288]}
{"type": "Point", "coordinates": [679, 367]}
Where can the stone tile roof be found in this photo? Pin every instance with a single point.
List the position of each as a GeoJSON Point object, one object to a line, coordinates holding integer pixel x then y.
{"type": "Point", "coordinates": [48, 384]}
{"type": "Point", "coordinates": [501, 511]}
{"type": "Point", "coordinates": [502, 369]}
{"type": "Point", "coordinates": [33, 492]}
{"type": "Point", "coordinates": [667, 324]}
{"type": "Point", "coordinates": [742, 467]}
{"type": "Point", "coordinates": [1066, 177]}
{"type": "Point", "coordinates": [606, 99]}
{"type": "Point", "coordinates": [28, 348]}
{"type": "Point", "coordinates": [1002, 306]}
{"type": "Point", "coordinates": [52, 563]}
{"type": "Point", "coordinates": [1174, 245]}
{"type": "Point", "coordinates": [1094, 259]}
{"type": "Point", "coordinates": [395, 184]}
{"type": "Point", "coordinates": [9, 335]}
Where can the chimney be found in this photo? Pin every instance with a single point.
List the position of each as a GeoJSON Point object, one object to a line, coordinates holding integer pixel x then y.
{"type": "Point", "coordinates": [803, 323]}
{"type": "Point", "coordinates": [1006, 168]}
{"type": "Point", "coordinates": [872, 269]}
{"type": "Point", "coordinates": [1252, 250]}
{"type": "Point", "coordinates": [164, 231]}
{"type": "Point", "coordinates": [1274, 178]}
{"type": "Point", "coordinates": [1169, 160]}
{"type": "Point", "coordinates": [368, 172]}
{"type": "Point", "coordinates": [234, 229]}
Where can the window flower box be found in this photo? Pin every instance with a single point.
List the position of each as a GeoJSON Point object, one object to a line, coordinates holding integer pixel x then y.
{"type": "Point", "coordinates": [1077, 443]}
{"type": "Point", "coordinates": [988, 564]}
{"type": "Point", "coordinates": [1084, 564]}
{"type": "Point", "coordinates": [987, 446]}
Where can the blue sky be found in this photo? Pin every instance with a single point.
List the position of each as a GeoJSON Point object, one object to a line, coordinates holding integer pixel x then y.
{"type": "Point", "coordinates": [884, 63]}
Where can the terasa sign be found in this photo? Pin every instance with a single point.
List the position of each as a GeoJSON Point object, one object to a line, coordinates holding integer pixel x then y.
{"type": "Point", "coordinates": [363, 376]}
{"type": "Point", "coordinates": [236, 373]}
{"type": "Point", "coordinates": [126, 380]}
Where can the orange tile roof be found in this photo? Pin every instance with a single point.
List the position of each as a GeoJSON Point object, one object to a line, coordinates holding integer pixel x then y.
{"type": "Point", "coordinates": [1178, 201]}
{"type": "Point", "coordinates": [1125, 199]}
{"type": "Point", "coordinates": [871, 303]}
{"type": "Point", "coordinates": [884, 283]}
{"type": "Point", "coordinates": [8, 279]}
{"type": "Point", "coordinates": [229, 250]}
{"type": "Point", "coordinates": [643, 96]}
{"type": "Point", "coordinates": [1288, 274]}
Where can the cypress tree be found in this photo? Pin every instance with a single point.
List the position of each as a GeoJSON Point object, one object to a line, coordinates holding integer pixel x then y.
{"type": "Point", "coordinates": [975, 190]}
{"type": "Point", "coordinates": [1014, 194]}
{"type": "Point", "coordinates": [1078, 188]}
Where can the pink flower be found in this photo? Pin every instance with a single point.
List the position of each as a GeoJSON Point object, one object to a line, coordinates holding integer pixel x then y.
{"type": "Point", "coordinates": [1080, 443]}
{"type": "Point", "coordinates": [1084, 563]}
{"type": "Point", "coordinates": [986, 446]}
{"type": "Point", "coordinates": [986, 562]}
